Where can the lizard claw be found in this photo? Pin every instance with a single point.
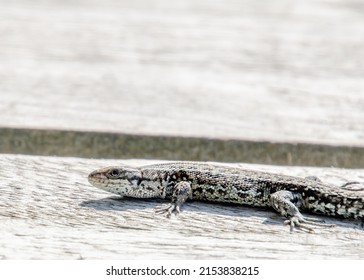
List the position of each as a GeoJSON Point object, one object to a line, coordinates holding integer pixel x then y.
{"type": "Point", "coordinates": [295, 222]}
{"type": "Point", "coordinates": [307, 224]}
{"type": "Point", "coordinates": [169, 209]}
{"type": "Point", "coordinates": [180, 194]}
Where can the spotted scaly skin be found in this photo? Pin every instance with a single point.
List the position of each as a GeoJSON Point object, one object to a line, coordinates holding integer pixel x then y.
{"type": "Point", "coordinates": [180, 181]}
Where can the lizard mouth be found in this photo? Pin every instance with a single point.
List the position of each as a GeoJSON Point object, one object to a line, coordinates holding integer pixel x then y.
{"type": "Point", "coordinates": [97, 179]}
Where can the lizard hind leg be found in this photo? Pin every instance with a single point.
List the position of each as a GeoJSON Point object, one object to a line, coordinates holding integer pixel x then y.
{"type": "Point", "coordinates": [282, 202]}
{"type": "Point", "coordinates": [182, 191]}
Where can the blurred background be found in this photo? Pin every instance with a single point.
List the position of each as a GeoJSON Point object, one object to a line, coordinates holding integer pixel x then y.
{"type": "Point", "coordinates": [277, 82]}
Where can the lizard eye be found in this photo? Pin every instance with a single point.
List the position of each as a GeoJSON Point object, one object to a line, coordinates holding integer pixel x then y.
{"type": "Point", "coordinates": [115, 172]}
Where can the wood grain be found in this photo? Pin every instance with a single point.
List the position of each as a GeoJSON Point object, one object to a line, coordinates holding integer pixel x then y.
{"type": "Point", "coordinates": [284, 71]}
{"type": "Point", "coordinates": [48, 210]}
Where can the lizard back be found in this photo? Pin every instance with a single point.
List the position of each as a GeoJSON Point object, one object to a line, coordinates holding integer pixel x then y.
{"type": "Point", "coordinates": [218, 183]}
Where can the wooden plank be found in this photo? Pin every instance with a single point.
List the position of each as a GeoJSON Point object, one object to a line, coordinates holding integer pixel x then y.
{"type": "Point", "coordinates": [284, 71]}
{"type": "Point", "coordinates": [124, 146]}
{"type": "Point", "coordinates": [48, 210]}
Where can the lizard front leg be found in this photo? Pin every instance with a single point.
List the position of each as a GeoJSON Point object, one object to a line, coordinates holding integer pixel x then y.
{"type": "Point", "coordinates": [181, 192]}
{"type": "Point", "coordinates": [282, 202]}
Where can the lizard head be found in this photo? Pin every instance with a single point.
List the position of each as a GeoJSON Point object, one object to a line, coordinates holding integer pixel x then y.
{"type": "Point", "coordinates": [124, 181]}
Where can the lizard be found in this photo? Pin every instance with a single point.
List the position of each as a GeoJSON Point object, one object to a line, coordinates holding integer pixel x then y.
{"type": "Point", "coordinates": [182, 181]}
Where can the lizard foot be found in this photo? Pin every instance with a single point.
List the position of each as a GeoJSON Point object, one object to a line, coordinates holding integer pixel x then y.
{"type": "Point", "coordinates": [182, 191]}
{"type": "Point", "coordinates": [169, 209]}
{"type": "Point", "coordinates": [282, 202]}
{"type": "Point", "coordinates": [307, 224]}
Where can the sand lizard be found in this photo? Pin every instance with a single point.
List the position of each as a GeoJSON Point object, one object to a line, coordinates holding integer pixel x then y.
{"type": "Point", "coordinates": [180, 181]}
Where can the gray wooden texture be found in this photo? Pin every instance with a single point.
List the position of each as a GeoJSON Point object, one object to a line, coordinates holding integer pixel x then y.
{"type": "Point", "coordinates": [125, 146]}
{"type": "Point", "coordinates": [279, 70]}
{"type": "Point", "coordinates": [48, 210]}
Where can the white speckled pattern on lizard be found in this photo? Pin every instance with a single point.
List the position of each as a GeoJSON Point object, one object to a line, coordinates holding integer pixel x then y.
{"type": "Point", "coordinates": [180, 181]}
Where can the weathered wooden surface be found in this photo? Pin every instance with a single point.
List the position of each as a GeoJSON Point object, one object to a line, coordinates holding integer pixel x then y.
{"type": "Point", "coordinates": [279, 70]}
{"type": "Point", "coordinates": [49, 211]}
{"type": "Point", "coordinates": [124, 146]}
